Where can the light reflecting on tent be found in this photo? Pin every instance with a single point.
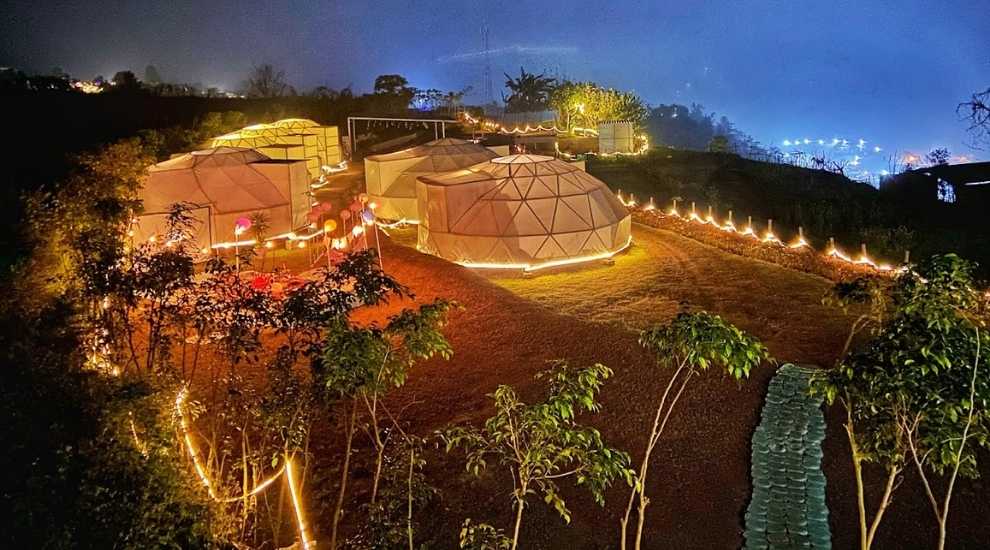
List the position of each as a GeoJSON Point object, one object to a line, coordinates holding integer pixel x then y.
{"type": "Point", "coordinates": [519, 211]}
{"type": "Point", "coordinates": [224, 183]}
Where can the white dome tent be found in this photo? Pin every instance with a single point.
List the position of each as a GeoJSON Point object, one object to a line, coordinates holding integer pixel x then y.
{"type": "Point", "coordinates": [224, 183]}
{"type": "Point", "coordinates": [520, 212]}
{"type": "Point", "coordinates": [391, 178]}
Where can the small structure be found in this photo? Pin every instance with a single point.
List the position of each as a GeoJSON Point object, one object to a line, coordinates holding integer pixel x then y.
{"type": "Point", "coordinates": [616, 137]}
{"type": "Point", "coordinates": [224, 184]}
{"type": "Point", "coordinates": [289, 139]}
{"type": "Point", "coordinates": [391, 178]}
{"type": "Point", "coordinates": [520, 212]}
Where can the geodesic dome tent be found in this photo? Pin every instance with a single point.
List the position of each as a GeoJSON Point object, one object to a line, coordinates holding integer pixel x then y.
{"type": "Point", "coordinates": [391, 178]}
{"type": "Point", "coordinates": [289, 139]}
{"type": "Point", "coordinates": [224, 184]}
{"type": "Point", "coordinates": [520, 211]}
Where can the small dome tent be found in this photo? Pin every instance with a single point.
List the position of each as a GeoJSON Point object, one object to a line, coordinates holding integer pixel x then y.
{"type": "Point", "coordinates": [391, 178]}
{"type": "Point", "coordinates": [522, 212]}
{"type": "Point", "coordinates": [224, 183]}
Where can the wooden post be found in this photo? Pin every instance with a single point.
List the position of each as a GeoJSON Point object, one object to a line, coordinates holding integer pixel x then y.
{"type": "Point", "coordinates": [800, 233]}
{"type": "Point", "coordinates": [907, 257]}
{"type": "Point", "coordinates": [730, 217]}
{"type": "Point", "coordinates": [692, 207]}
{"type": "Point", "coordinates": [769, 227]}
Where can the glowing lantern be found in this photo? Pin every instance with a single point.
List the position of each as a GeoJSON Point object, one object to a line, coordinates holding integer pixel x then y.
{"type": "Point", "coordinates": [345, 215]}
{"type": "Point", "coordinates": [269, 244]}
{"type": "Point", "coordinates": [241, 225]}
{"type": "Point", "coordinates": [325, 206]}
{"type": "Point", "coordinates": [368, 216]}
{"type": "Point", "coordinates": [329, 226]}
{"type": "Point", "coordinates": [357, 231]}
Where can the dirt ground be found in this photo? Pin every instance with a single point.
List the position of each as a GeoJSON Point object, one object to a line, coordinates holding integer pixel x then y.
{"type": "Point", "coordinates": [699, 484]}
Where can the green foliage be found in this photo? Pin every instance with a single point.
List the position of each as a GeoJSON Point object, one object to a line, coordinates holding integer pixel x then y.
{"type": "Point", "coordinates": [719, 144]}
{"type": "Point", "coordinates": [528, 92]}
{"type": "Point", "coordinates": [404, 489]}
{"type": "Point", "coordinates": [702, 340]}
{"type": "Point", "coordinates": [481, 536]}
{"type": "Point", "coordinates": [586, 104]}
{"type": "Point", "coordinates": [914, 389]}
{"type": "Point", "coordinates": [543, 442]}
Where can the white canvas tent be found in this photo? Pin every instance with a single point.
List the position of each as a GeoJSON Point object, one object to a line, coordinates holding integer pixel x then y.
{"type": "Point", "coordinates": [391, 178]}
{"type": "Point", "coordinates": [520, 211]}
{"type": "Point", "coordinates": [289, 139]}
{"type": "Point", "coordinates": [224, 183]}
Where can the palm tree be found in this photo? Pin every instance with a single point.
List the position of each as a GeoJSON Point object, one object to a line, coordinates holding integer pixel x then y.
{"type": "Point", "coordinates": [529, 92]}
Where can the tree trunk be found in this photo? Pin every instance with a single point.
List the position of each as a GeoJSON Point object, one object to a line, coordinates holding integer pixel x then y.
{"type": "Point", "coordinates": [409, 497]}
{"type": "Point", "coordinates": [339, 507]}
{"type": "Point", "coordinates": [519, 512]}
{"type": "Point", "coordinates": [864, 542]}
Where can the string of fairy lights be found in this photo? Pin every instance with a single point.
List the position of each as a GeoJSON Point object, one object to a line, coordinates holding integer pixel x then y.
{"type": "Point", "coordinates": [287, 470]}
{"type": "Point", "coordinates": [768, 237]}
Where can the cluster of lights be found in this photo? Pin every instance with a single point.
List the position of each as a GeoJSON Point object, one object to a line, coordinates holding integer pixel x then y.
{"type": "Point", "coordinates": [528, 129]}
{"type": "Point", "coordinates": [768, 237]}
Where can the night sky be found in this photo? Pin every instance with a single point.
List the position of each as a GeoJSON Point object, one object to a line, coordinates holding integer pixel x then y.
{"type": "Point", "coordinates": [890, 73]}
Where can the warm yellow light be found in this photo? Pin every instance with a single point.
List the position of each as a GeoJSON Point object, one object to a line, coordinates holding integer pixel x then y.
{"type": "Point", "coordinates": [269, 244]}
{"type": "Point", "coordinates": [552, 263]}
{"type": "Point", "coordinates": [297, 505]}
{"type": "Point", "coordinates": [234, 244]}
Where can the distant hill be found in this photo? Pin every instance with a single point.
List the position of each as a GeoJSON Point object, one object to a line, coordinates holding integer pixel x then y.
{"type": "Point", "coordinates": [823, 203]}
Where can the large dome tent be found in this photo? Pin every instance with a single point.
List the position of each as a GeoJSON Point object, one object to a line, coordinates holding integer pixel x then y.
{"type": "Point", "coordinates": [289, 139]}
{"type": "Point", "coordinates": [391, 178]}
{"type": "Point", "coordinates": [521, 212]}
{"type": "Point", "coordinates": [224, 183]}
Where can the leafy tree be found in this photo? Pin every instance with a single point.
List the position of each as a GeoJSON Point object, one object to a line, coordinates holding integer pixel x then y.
{"type": "Point", "coordinates": [938, 156]}
{"type": "Point", "coordinates": [920, 374]}
{"type": "Point", "coordinates": [358, 364]}
{"type": "Point", "coordinates": [394, 92]}
{"type": "Point", "coordinates": [587, 104]}
{"type": "Point", "coordinates": [871, 425]}
{"type": "Point", "coordinates": [719, 144]}
{"type": "Point", "coordinates": [267, 81]}
{"type": "Point", "coordinates": [391, 84]}
{"type": "Point", "coordinates": [543, 442]}
{"type": "Point", "coordinates": [125, 81]}
{"type": "Point", "coordinates": [691, 344]}
{"type": "Point", "coordinates": [528, 92]}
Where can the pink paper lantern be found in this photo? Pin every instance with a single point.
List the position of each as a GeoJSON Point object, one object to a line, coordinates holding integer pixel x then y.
{"type": "Point", "coordinates": [345, 214]}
